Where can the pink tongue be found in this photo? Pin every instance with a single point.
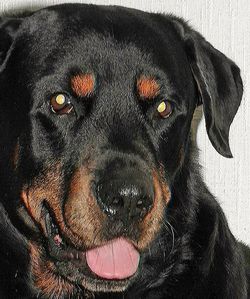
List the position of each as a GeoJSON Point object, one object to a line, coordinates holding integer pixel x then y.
{"type": "Point", "coordinates": [115, 260]}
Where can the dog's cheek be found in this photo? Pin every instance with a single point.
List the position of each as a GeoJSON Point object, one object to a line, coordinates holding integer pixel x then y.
{"type": "Point", "coordinates": [44, 276]}
{"type": "Point", "coordinates": [45, 188]}
{"type": "Point", "coordinates": [153, 221]}
{"type": "Point", "coordinates": [82, 213]}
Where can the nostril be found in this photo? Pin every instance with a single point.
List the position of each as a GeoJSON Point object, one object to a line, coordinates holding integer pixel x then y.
{"type": "Point", "coordinates": [118, 202]}
{"type": "Point", "coordinates": [139, 203]}
{"type": "Point", "coordinates": [144, 205]}
{"type": "Point", "coordinates": [144, 202]}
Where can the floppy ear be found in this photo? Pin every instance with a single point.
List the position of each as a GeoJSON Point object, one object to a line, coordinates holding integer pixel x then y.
{"type": "Point", "coordinates": [8, 29]}
{"type": "Point", "coordinates": [220, 87]}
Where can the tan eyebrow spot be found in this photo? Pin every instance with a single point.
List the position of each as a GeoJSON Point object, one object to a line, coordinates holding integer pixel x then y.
{"type": "Point", "coordinates": [147, 87]}
{"type": "Point", "coordinates": [83, 84]}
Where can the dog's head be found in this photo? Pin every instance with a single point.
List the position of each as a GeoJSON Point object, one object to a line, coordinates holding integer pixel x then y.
{"type": "Point", "coordinates": [96, 108]}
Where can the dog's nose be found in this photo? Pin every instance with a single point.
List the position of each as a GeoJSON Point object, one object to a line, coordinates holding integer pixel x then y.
{"type": "Point", "coordinates": [125, 199]}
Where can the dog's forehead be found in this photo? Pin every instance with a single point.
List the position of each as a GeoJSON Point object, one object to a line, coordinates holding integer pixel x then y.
{"type": "Point", "coordinates": [68, 25]}
{"type": "Point", "coordinates": [75, 18]}
{"type": "Point", "coordinates": [112, 40]}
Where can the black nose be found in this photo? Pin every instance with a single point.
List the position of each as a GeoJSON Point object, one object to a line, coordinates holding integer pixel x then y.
{"type": "Point", "coordinates": [125, 198]}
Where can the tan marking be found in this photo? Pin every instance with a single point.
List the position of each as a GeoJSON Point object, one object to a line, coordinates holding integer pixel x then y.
{"type": "Point", "coordinates": [44, 187]}
{"type": "Point", "coordinates": [152, 223]}
{"type": "Point", "coordinates": [84, 220]}
{"type": "Point", "coordinates": [81, 205]}
{"type": "Point", "coordinates": [45, 278]}
{"type": "Point", "coordinates": [83, 84]}
{"type": "Point", "coordinates": [147, 87]}
{"type": "Point", "coordinates": [47, 187]}
{"type": "Point", "coordinates": [82, 214]}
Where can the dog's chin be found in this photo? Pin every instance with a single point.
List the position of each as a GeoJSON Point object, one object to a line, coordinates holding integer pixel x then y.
{"type": "Point", "coordinates": [78, 273]}
{"type": "Point", "coordinates": [71, 263]}
{"type": "Point", "coordinates": [83, 278]}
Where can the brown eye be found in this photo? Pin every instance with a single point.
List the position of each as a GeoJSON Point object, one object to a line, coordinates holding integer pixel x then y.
{"type": "Point", "coordinates": [60, 104]}
{"type": "Point", "coordinates": [165, 109]}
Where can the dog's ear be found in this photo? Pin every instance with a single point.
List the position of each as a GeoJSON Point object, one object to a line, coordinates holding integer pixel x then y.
{"type": "Point", "coordinates": [8, 29]}
{"type": "Point", "coordinates": [219, 83]}
{"type": "Point", "coordinates": [220, 87]}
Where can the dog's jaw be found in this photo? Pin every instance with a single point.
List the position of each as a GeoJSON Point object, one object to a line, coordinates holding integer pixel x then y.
{"type": "Point", "coordinates": [47, 277]}
{"type": "Point", "coordinates": [59, 266]}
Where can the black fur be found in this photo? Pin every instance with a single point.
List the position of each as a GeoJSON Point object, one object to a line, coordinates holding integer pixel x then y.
{"type": "Point", "coordinates": [194, 255]}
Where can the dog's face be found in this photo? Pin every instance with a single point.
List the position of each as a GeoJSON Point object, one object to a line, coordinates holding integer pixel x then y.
{"type": "Point", "coordinates": [100, 102]}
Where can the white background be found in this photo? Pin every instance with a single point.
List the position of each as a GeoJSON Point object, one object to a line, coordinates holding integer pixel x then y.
{"type": "Point", "coordinates": [226, 24]}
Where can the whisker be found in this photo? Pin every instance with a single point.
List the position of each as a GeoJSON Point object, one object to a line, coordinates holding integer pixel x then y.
{"type": "Point", "coordinates": [166, 224]}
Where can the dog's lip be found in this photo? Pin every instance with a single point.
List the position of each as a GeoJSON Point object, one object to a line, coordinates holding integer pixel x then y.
{"type": "Point", "coordinates": [57, 246]}
{"type": "Point", "coordinates": [60, 252]}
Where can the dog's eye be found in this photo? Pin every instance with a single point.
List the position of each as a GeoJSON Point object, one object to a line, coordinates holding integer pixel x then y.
{"type": "Point", "coordinates": [165, 109]}
{"type": "Point", "coordinates": [60, 104]}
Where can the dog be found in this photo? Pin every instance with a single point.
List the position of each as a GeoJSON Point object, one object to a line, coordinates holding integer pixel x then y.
{"type": "Point", "coordinates": [101, 191]}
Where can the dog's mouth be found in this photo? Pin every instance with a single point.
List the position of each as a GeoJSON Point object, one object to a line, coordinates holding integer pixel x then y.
{"type": "Point", "coordinates": [110, 267]}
